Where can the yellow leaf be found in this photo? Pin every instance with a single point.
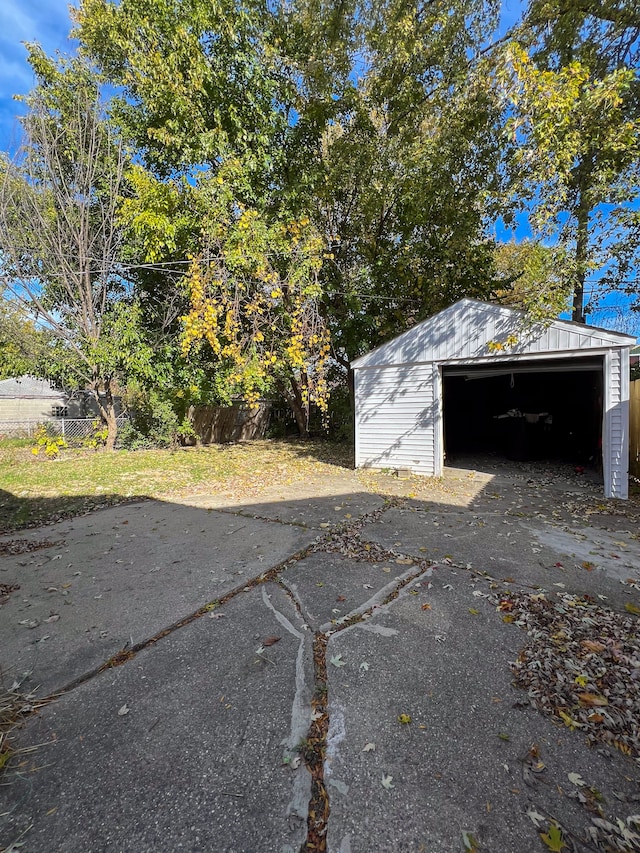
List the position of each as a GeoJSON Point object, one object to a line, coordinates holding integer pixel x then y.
{"type": "Point", "coordinates": [632, 608]}
{"type": "Point", "coordinates": [404, 719]}
{"type": "Point", "coordinates": [569, 721]}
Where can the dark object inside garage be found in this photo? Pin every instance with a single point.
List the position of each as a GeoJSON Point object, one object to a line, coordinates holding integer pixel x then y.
{"type": "Point", "coordinates": [526, 411]}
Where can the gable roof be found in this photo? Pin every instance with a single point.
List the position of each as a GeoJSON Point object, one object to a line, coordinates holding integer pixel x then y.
{"type": "Point", "coordinates": [28, 386]}
{"type": "Point", "coordinates": [466, 329]}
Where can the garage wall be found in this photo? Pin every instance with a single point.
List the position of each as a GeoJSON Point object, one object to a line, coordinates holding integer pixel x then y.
{"type": "Point", "coordinates": [398, 417]}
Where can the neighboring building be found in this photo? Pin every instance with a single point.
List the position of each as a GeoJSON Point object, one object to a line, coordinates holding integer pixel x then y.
{"type": "Point", "coordinates": [472, 379]}
{"type": "Point", "coordinates": [30, 399]}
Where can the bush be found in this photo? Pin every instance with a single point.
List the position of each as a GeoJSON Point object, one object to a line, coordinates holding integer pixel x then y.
{"type": "Point", "coordinates": [155, 423]}
{"type": "Point", "coordinates": [47, 442]}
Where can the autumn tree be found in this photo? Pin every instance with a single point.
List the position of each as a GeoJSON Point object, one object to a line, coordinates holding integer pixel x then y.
{"type": "Point", "coordinates": [255, 300]}
{"type": "Point", "coordinates": [529, 278]}
{"type": "Point", "coordinates": [572, 84]}
{"type": "Point", "coordinates": [61, 243]}
{"type": "Point", "coordinates": [372, 121]}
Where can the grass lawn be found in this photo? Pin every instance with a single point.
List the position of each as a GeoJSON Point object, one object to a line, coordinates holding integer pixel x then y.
{"type": "Point", "coordinates": [35, 490]}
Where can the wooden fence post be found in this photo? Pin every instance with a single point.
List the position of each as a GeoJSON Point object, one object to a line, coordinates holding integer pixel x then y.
{"type": "Point", "coordinates": [634, 428]}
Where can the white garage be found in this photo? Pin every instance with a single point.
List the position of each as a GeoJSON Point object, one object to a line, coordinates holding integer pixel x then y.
{"type": "Point", "coordinates": [474, 379]}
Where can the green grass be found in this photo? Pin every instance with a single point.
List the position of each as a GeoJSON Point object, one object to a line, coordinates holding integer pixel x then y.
{"type": "Point", "coordinates": [35, 490]}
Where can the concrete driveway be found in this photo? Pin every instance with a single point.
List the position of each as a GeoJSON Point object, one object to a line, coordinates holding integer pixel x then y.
{"type": "Point", "coordinates": [330, 668]}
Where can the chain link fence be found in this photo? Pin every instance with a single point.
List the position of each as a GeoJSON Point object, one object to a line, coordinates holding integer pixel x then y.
{"type": "Point", "coordinates": [74, 430]}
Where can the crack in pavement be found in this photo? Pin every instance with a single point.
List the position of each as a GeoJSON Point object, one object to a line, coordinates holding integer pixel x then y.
{"type": "Point", "coordinates": [310, 719]}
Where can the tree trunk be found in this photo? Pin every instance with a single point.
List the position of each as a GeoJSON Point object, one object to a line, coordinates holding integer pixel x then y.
{"type": "Point", "coordinates": [107, 409]}
{"type": "Point", "coordinates": [299, 409]}
{"type": "Point", "coordinates": [582, 238]}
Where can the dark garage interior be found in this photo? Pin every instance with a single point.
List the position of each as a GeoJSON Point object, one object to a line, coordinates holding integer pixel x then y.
{"type": "Point", "coordinates": [525, 411]}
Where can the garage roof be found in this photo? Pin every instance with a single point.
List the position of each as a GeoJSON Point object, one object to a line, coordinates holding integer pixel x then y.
{"type": "Point", "coordinates": [474, 330]}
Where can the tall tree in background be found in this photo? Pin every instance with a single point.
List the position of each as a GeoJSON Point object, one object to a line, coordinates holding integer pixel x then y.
{"type": "Point", "coordinates": [573, 85]}
{"type": "Point", "coordinates": [363, 117]}
{"type": "Point", "coordinates": [61, 244]}
{"type": "Point", "coordinates": [23, 347]}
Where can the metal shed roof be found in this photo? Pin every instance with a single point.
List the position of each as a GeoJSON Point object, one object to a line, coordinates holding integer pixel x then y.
{"type": "Point", "coordinates": [465, 330]}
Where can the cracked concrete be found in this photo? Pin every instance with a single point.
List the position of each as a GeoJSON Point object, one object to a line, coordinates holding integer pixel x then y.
{"type": "Point", "coordinates": [201, 740]}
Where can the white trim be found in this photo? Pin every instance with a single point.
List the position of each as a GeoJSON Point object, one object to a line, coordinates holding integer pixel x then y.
{"type": "Point", "coordinates": [547, 355]}
{"type": "Point", "coordinates": [625, 391]}
{"type": "Point", "coordinates": [356, 406]}
{"type": "Point", "coordinates": [606, 405]}
{"type": "Point", "coordinates": [438, 432]}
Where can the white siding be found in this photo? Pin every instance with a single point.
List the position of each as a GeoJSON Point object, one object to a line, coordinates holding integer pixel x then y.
{"type": "Point", "coordinates": [398, 394]}
{"type": "Point", "coordinates": [615, 440]}
{"type": "Point", "coordinates": [397, 415]}
{"type": "Point", "coordinates": [465, 330]}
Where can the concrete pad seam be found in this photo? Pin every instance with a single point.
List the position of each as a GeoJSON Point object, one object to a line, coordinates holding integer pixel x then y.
{"type": "Point", "coordinates": [129, 651]}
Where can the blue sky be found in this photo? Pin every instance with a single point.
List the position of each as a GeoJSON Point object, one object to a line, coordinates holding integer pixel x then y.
{"type": "Point", "coordinates": [48, 22]}
{"type": "Point", "coordinates": [44, 21]}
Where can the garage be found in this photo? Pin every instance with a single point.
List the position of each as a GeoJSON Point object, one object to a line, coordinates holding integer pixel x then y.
{"type": "Point", "coordinates": [475, 379]}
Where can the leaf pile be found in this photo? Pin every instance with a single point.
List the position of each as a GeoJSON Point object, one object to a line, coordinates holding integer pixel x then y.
{"type": "Point", "coordinates": [581, 665]}
{"type": "Point", "coordinates": [24, 546]}
{"type": "Point", "coordinates": [5, 591]}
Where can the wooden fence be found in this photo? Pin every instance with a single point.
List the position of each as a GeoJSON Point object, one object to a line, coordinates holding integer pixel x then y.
{"type": "Point", "coordinates": [222, 424]}
{"type": "Point", "coordinates": [634, 428]}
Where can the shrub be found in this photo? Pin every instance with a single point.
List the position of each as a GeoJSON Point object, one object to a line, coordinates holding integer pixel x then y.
{"type": "Point", "coordinates": [47, 441]}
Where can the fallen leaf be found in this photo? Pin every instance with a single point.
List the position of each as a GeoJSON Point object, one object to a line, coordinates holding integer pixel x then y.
{"type": "Point", "coordinates": [271, 641]}
{"type": "Point", "coordinates": [426, 607]}
{"type": "Point", "coordinates": [53, 618]}
{"type": "Point", "coordinates": [536, 818]}
{"type": "Point", "coordinates": [386, 782]}
{"type": "Point", "coordinates": [576, 779]}
{"type": "Point", "coordinates": [632, 608]}
{"type": "Point", "coordinates": [369, 747]}
{"type": "Point", "coordinates": [593, 646]}
{"type": "Point", "coordinates": [341, 598]}
{"type": "Point", "coordinates": [473, 611]}
{"type": "Point", "coordinates": [593, 700]}
{"type": "Point", "coordinates": [503, 736]}
{"type": "Point", "coordinates": [336, 660]}
{"type": "Point", "coordinates": [569, 721]}
{"type": "Point", "coordinates": [404, 719]}
{"type": "Point", "coordinates": [554, 839]}
{"type": "Point", "coordinates": [364, 666]}
{"type": "Point", "coordinates": [470, 844]}
{"type": "Point", "coordinates": [404, 561]}
{"type": "Point", "coordinates": [124, 710]}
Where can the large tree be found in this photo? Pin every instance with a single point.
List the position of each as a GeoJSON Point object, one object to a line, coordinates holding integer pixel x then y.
{"type": "Point", "coordinates": [365, 118]}
{"type": "Point", "coordinates": [61, 246]}
{"type": "Point", "coordinates": [574, 91]}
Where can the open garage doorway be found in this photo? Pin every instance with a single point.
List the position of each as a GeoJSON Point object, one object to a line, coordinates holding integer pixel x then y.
{"type": "Point", "coordinates": [526, 411]}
